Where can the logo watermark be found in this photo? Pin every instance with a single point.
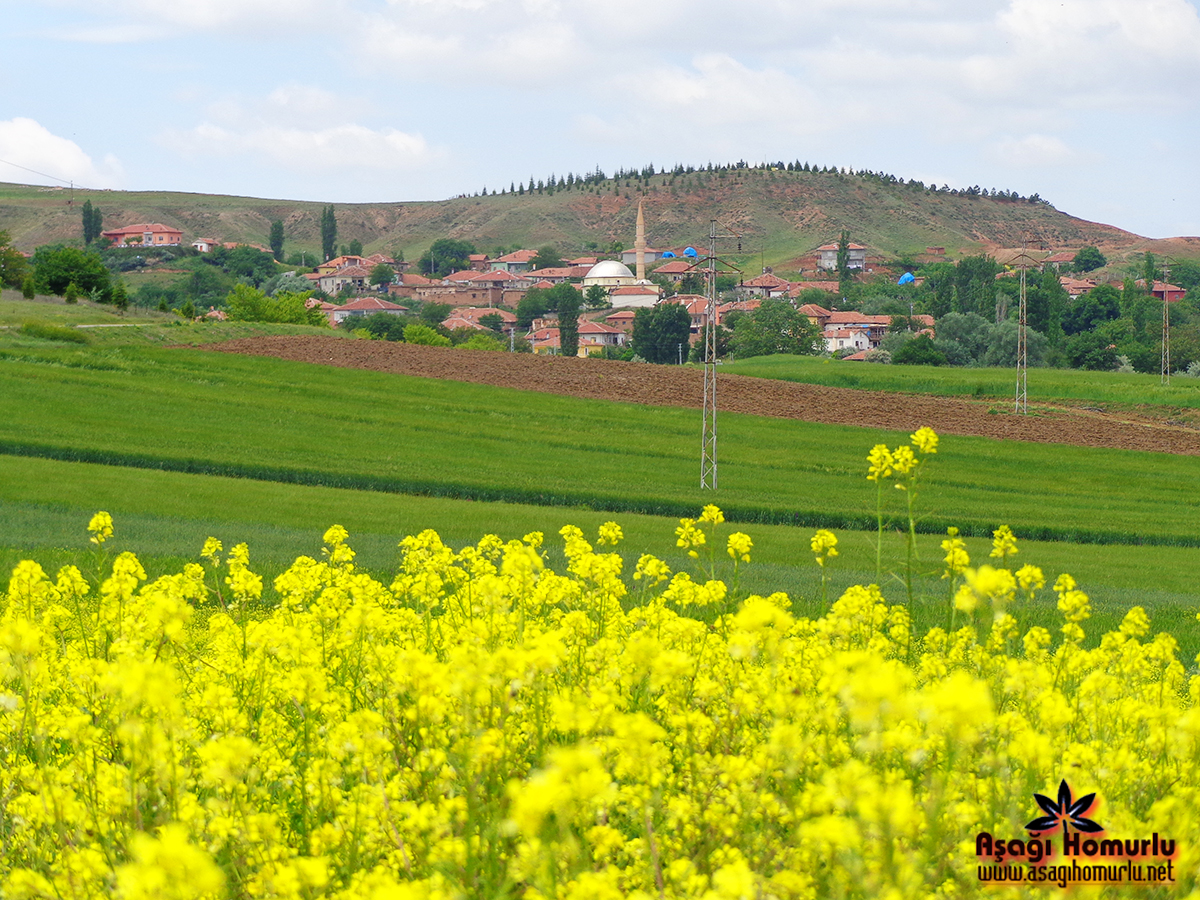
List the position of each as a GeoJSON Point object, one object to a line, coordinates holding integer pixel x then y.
{"type": "Point", "coordinates": [1077, 857]}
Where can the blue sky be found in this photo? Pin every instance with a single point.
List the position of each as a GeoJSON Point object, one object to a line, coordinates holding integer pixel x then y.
{"type": "Point", "coordinates": [1090, 103]}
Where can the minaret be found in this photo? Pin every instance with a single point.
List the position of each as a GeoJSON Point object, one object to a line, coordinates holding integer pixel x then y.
{"type": "Point", "coordinates": [640, 243]}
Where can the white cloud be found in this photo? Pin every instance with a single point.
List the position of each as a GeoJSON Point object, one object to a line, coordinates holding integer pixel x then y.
{"type": "Point", "coordinates": [149, 19]}
{"type": "Point", "coordinates": [29, 145]}
{"type": "Point", "coordinates": [316, 150]}
{"type": "Point", "coordinates": [1034, 151]}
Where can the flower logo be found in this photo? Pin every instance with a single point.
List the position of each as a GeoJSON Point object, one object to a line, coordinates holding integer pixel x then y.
{"type": "Point", "coordinates": [1065, 811]}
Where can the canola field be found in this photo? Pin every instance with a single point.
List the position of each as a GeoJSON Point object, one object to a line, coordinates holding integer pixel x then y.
{"type": "Point", "coordinates": [485, 726]}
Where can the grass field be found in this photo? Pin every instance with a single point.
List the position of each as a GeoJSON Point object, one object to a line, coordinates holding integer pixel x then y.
{"type": "Point", "coordinates": [1045, 385]}
{"type": "Point", "coordinates": [276, 420]}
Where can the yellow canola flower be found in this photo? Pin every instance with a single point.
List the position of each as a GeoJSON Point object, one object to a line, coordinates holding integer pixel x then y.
{"type": "Point", "coordinates": [1004, 543]}
{"type": "Point", "coordinates": [100, 527]}
{"type": "Point", "coordinates": [168, 868]}
{"type": "Point", "coordinates": [824, 546]}
{"type": "Point", "coordinates": [712, 515]}
{"type": "Point", "coordinates": [904, 460]}
{"type": "Point", "coordinates": [739, 545]}
{"type": "Point", "coordinates": [610, 534]}
{"type": "Point", "coordinates": [956, 558]}
{"type": "Point", "coordinates": [881, 462]}
{"type": "Point", "coordinates": [925, 440]}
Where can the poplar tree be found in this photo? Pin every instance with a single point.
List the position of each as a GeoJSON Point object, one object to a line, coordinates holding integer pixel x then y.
{"type": "Point", "coordinates": [328, 232]}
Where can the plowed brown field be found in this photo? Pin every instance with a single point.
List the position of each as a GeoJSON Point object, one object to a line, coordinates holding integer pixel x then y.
{"type": "Point", "coordinates": [673, 386]}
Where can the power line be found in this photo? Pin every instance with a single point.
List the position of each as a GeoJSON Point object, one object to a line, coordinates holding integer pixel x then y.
{"type": "Point", "coordinates": [36, 172]}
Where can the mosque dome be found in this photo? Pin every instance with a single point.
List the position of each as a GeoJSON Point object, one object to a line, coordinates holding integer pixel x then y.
{"type": "Point", "coordinates": [609, 268]}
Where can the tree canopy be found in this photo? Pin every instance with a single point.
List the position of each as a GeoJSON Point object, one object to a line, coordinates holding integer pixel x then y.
{"type": "Point", "coordinates": [569, 301]}
{"type": "Point", "coordinates": [328, 232]}
{"type": "Point", "coordinates": [249, 304]}
{"type": "Point", "coordinates": [276, 240]}
{"type": "Point", "coordinates": [1088, 259]}
{"type": "Point", "coordinates": [445, 255]}
{"type": "Point", "coordinates": [776, 327]}
{"type": "Point", "coordinates": [13, 266]}
{"type": "Point", "coordinates": [547, 258]}
{"type": "Point", "coordinates": [660, 332]}
{"type": "Point", "coordinates": [56, 267]}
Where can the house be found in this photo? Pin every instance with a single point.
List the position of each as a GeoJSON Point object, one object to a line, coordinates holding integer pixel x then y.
{"type": "Point", "coordinates": [364, 306]}
{"type": "Point", "coordinates": [1171, 293]}
{"type": "Point", "coordinates": [517, 261]}
{"type": "Point", "coordinates": [841, 338]}
{"type": "Point", "coordinates": [206, 245]}
{"type": "Point", "coordinates": [818, 315]}
{"type": "Point", "coordinates": [342, 262]}
{"type": "Point", "coordinates": [874, 327]}
{"type": "Point", "coordinates": [406, 284]}
{"type": "Point", "coordinates": [622, 320]}
{"type": "Point", "coordinates": [356, 277]}
{"type": "Point", "coordinates": [829, 287]}
{"type": "Point", "coordinates": [544, 341]}
{"type": "Point", "coordinates": [766, 285]}
{"type": "Point", "coordinates": [827, 256]}
{"type": "Point", "coordinates": [596, 336]}
{"type": "Point", "coordinates": [153, 234]}
{"type": "Point", "coordinates": [1060, 259]}
{"type": "Point", "coordinates": [557, 274]}
{"type": "Point", "coordinates": [1076, 287]}
{"type": "Point", "coordinates": [744, 306]}
{"type": "Point", "coordinates": [634, 295]}
{"type": "Point", "coordinates": [478, 262]}
{"type": "Point", "coordinates": [471, 315]}
{"type": "Point", "coordinates": [676, 270]}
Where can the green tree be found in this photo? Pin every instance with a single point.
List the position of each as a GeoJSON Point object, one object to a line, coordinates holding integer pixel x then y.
{"type": "Point", "coordinates": [920, 351]}
{"type": "Point", "coordinates": [249, 304]}
{"type": "Point", "coordinates": [445, 255]}
{"type": "Point", "coordinates": [660, 332]}
{"type": "Point", "coordinates": [569, 301]}
{"type": "Point", "coordinates": [328, 231]}
{"type": "Point", "coordinates": [13, 265]}
{"type": "Point", "coordinates": [975, 285]}
{"type": "Point", "coordinates": [547, 258]}
{"type": "Point", "coordinates": [435, 313]}
{"type": "Point", "coordinates": [692, 283]}
{"type": "Point", "coordinates": [531, 306]}
{"type": "Point", "coordinates": [843, 258]}
{"type": "Point", "coordinates": [776, 327]}
{"type": "Point", "coordinates": [246, 262]}
{"type": "Point", "coordinates": [120, 296]}
{"type": "Point", "coordinates": [302, 258]}
{"type": "Point", "coordinates": [1092, 350]}
{"type": "Point", "coordinates": [56, 267]}
{"type": "Point", "coordinates": [355, 248]}
{"type": "Point", "coordinates": [492, 321]}
{"type": "Point", "coordinates": [71, 293]}
{"type": "Point", "coordinates": [1100, 304]}
{"type": "Point", "coordinates": [1149, 271]}
{"type": "Point", "coordinates": [596, 297]}
{"type": "Point", "coordinates": [188, 310]}
{"type": "Point", "coordinates": [277, 240]}
{"type": "Point", "coordinates": [1088, 259]}
{"type": "Point", "coordinates": [92, 222]}
{"type": "Point", "coordinates": [422, 334]}
{"type": "Point", "coordinates": [28, 289]}
{"type": "Point", "coordinates": [382, 275]}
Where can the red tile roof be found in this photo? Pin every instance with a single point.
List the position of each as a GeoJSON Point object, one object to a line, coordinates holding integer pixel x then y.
{"type": "Point", "coordinates": [374, 303]}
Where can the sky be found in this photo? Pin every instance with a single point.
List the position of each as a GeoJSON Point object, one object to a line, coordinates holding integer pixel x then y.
{"type": "Point", "coordinates": [1092, 104]}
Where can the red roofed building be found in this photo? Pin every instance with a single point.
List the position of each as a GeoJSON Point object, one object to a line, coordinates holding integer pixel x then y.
{"type": "Point", "coordinates": [676, 269]}
{"type": "Point", "coordinates": [766, 285]}
{"type": "Point", "coordinates": [1076, 287]}
{"type": "Point", "coordinates": [1170, 292]}
{"type": "Point", "coordinates": [517, 261]}
{"type": "Point", "coordinates": [153, 234]}
{"type": "Point", "coordinates": [596, 336]}
{"type": "Point", "coordinates": [827, 256]}
{"type": "Point", "coordinates": [636, 295]}
{"type": "Point", "coordinates": [622, 320]}
{"type": "Point", "coordinates": [353, 276]}
{"type": "Point", "coordinates": [697, 307]}
{"type": "Point", "coordinates": [365, 306]}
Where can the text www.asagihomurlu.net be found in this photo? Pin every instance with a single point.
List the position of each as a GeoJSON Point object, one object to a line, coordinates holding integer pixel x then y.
{"type": "Point", "coordinates": [1063, 875]}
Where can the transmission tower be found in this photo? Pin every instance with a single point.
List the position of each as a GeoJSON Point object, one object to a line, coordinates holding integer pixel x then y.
{"type": "Point", "coordinates": [1166, 328]}
{"type": "Point", "coordinates": [708, 434]}
{"type": "Point", "coordinates": [1022, 402]}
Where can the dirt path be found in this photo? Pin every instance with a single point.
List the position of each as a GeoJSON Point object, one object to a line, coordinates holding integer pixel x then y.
{"type": "Point", "coordinates": [673, 386]}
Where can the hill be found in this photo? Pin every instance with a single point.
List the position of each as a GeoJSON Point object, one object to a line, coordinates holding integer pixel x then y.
{"type": "Point", "coordinates": [781, 214]}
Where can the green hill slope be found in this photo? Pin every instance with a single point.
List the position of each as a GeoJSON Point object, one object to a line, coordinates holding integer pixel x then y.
{"type": "Point", "coordinates": [782, 216]}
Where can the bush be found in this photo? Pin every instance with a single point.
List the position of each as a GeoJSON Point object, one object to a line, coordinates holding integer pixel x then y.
{"type": "Point", "coordinates": [424, 336]}
{"type": "Point", "coordinates": [920, 351]}
{"type": "Point", "coordinates": [54, 333]}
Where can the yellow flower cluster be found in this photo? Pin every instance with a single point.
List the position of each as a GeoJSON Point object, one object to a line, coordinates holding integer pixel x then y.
{"type": "Point", "coordinates": [487, 727]}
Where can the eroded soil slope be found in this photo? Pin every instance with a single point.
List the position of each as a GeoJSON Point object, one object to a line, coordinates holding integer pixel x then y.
{"type": "Point", "coordinates": [673, 386]}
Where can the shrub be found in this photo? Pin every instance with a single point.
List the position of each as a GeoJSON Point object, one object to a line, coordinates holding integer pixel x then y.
{"type": "Point", "coordinates": [424, 335]}
{"type": "Point", "coordinates": [54, 332]}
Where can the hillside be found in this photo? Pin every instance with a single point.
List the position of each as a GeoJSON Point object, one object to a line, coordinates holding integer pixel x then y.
{"type": "Point", "coordinates": [782, 215]}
